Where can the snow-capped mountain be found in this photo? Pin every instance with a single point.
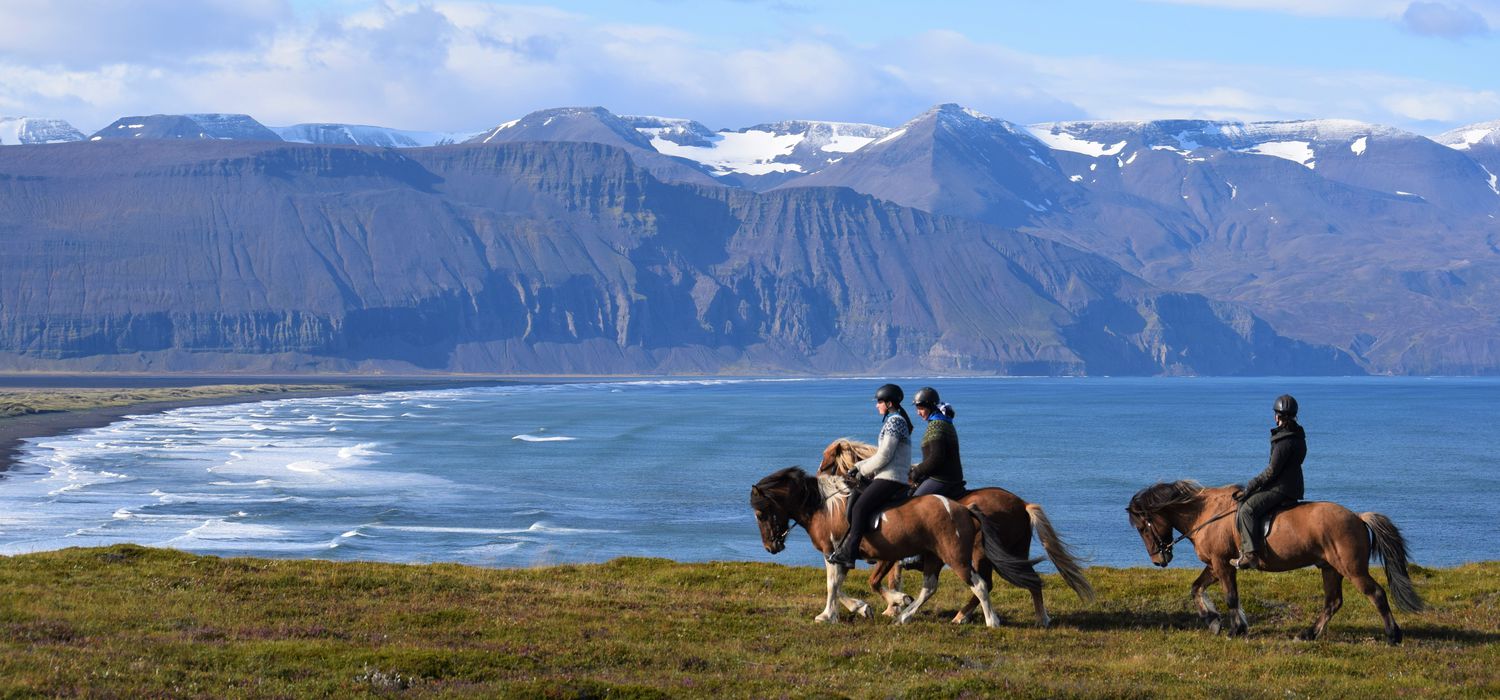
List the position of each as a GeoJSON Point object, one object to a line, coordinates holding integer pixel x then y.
{"type": "Point", "coordinates": [239, 127]}
{"type": "Point", "coordinates": [1467, 137]}
{"type": "Point", "coordinates": [958, 161]}
{"type": "Point", "coordinates": [15, 131]}
{"type": "Point", "coordinates": [594, 125]}
{"type": "Point", "coordinates": [762, 156]}
{"type": "Point", "coordinates": [1478, 141]}
{"type": "Point", "coordinates": [1351, 152]}
{"type": "Point", "coordinates": [363, 135]}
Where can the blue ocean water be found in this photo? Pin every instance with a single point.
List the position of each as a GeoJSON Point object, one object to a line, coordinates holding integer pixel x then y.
{"type": "Point", "coordinates": [584, 472]}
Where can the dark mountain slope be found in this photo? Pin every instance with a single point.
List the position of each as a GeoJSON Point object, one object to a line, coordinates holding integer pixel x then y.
{"type": "Point", "coordinates": [550, 258]}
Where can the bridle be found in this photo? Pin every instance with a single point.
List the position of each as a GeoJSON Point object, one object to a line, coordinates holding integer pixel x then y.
{"type": "Point", "coordinates": [1163, 546]}
{"type": "Point", "coordinates": [778, 536]}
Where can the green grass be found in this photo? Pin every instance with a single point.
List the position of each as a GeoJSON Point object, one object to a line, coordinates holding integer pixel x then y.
{"type": "Point", "coordinates": [21, 402]}
{"type": "Point", "coordinates": [134, 622]}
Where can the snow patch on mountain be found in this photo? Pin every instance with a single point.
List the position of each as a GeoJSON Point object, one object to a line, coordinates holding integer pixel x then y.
{"type": "Point", "coordinates": [1359, 145]}
{"type": "Point", "coordinates": [1493, 188]}
{"type": "Point", "coordinates": [750, 152]}
{"type": "Point", "coordinates": [1058, 140]}
{"type": "Point", "coordinates": [1299, 152]}
{"type": "Point", "coordinates": [778, 147]}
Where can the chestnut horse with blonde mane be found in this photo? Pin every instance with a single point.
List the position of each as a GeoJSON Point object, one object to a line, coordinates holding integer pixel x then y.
{"type": "Point", "coordinates": [1318, 533]}
{"type": "Point", "coordinates": [942, 531]}
{"type": "Point", "coordinates": [1012, 521]}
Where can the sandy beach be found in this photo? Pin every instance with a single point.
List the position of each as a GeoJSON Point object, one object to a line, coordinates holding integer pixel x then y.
{"type": "Point", "coordinates": [14, 430]}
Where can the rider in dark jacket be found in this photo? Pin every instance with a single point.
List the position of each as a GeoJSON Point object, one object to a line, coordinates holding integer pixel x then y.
{"type": "Point", "coordinates": [940, 471]}
{"type": "Point", "coordinates": [1280, 483]}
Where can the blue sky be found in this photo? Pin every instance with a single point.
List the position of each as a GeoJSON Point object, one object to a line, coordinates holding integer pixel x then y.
{"type": "Point", "coordinates": [462, 65]}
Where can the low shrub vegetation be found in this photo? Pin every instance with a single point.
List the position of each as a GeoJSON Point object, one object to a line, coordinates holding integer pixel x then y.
{"type": "Point", "coordinates": [129, 621]}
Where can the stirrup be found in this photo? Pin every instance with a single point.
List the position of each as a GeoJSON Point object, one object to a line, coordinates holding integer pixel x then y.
{"type": "Point", "coordinates": [1246, 561]}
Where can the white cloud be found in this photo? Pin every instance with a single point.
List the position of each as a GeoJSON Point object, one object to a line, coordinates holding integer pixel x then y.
{"type": "Point", "coordinates": [89, 34]}
{"type": "Point", "coordinates": [458, 66]}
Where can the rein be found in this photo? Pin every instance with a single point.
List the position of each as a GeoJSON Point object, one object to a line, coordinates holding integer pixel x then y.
{"type": "Point", "coordinates": [1189, 535]}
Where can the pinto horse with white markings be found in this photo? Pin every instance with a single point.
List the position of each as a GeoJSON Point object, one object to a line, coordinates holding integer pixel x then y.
{"type": "Point", "coordinates": [934, 526]}
{"type": "Point", "coordinates": [1012, 521]}
{"type": "Point", "coordinates": [1326, 535]}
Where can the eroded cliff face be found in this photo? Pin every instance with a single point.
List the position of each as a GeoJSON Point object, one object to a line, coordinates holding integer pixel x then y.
{"type": "Point", "coordinates": [551, 258]}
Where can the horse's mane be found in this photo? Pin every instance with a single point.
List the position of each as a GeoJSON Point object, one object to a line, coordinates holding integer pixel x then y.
{"type": "Point", "coordinates": [1164, 494]}
{"type": "Point", "coordinates": [846, 451]}
{"type": "Point", "coordinates": [789, 484]}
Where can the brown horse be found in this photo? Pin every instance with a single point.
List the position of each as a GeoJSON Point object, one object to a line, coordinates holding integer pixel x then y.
{"type": "Point", "coordinates": [1321, 534]}
{"type": "Point", "coordinates": [933, 526]}
{"type": "Point", "coordinates": [1012, 520]}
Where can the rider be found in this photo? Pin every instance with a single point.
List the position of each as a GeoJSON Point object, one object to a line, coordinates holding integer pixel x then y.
{"type": "Point", "coordinates": [1280, 483]}
{"type": "Point", "coordinates": [940, 470]}
{"type": "Point", "coordinates": [884, 469]}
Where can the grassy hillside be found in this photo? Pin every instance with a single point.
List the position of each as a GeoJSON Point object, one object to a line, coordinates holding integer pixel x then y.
{"type": "Point", "coordinates": [20, 402]}
{"type": "Point", "coordinates": [128, 621]}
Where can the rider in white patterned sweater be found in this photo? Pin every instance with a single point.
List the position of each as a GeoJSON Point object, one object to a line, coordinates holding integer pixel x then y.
{"type": "Point", "coordinates": [886, 470]}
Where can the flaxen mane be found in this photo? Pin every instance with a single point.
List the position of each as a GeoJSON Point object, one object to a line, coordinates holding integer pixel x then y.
{"type": "Point", "coordinates": [846, 452]}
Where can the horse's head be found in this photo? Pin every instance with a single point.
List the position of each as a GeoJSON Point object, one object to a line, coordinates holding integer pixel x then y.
{"type": "Point", "coordinates": [1148, 516]}
{"type": "Point", "coordinates": [1155, 532]}
{"type": "Point", "coordinates": [777, 500]}
{"type": "Point", "coordinates": [841, 454]}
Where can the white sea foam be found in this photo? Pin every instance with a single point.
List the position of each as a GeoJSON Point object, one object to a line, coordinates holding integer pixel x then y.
{"type": "Point", "coordinates": [543, 438]}
{"type": "Point", "coordinates": [363, 449]}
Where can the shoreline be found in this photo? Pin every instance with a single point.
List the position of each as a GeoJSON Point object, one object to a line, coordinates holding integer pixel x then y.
{"type": "Point", "coordinates": [15, 430]}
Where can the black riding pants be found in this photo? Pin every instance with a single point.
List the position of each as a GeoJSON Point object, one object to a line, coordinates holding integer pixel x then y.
{"type": "Point", "coordinates": [870, 502]}
{"type": "Point", "coordinates": [941, 488]}
{"type": "Point", "coordinates": [1252, 513]}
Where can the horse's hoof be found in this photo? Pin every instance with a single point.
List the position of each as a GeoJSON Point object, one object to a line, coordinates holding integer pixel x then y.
{"type": "Point", "coordinates": [992, 622]}
{"type": "Point", "coordinates": [960, 618]}
{"type": "Point", "coordinates": [1306, 636]}
{"type": "Point", "coordinates": [1215, 626]}
{"type": "Point", "coordinates": [825, 617]}
{"type": "Point", "coordinates": [865, 612]}
{"type": "Point", "coordinates": [1044, 623]}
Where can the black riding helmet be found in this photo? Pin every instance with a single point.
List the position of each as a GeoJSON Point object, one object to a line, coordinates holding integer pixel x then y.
{"type": "Point", "coordinates": [889, 393]}
{"type": "Point", "coordinates": [926, 396]}
{"type": "Point", "coordinates": [1285, 406]}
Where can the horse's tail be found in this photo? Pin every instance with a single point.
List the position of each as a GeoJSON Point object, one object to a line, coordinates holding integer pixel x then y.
{"type": "Point", "coordinates": [1018, 572]}
{"type": "Point", "coordinates": [1389, 546]}
{"type": "Point", "coordinates": [1061, 555]}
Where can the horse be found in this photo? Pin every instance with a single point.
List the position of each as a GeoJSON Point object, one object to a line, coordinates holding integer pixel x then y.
{"type": "Point", "coordinates": [934, 526]}
{"type": "Point", "coordinates": [1322, 534]}
{"type": "Point", "coordinates": [1012, 520]}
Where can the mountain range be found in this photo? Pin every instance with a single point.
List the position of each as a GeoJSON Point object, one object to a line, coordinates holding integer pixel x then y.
{"type": "Point", "coordinates": [579, 241]}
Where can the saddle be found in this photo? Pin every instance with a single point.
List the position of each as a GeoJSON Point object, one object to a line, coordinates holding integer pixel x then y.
{"type": "Point", "coordinates": [1270, 517]}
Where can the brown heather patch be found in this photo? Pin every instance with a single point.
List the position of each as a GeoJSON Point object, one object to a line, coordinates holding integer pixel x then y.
{"type": "Point", "coordinates": [134, 622]}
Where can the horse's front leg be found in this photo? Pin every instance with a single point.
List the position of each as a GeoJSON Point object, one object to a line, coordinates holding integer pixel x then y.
{"type": "Point", "coordinates": [1206, 610]}
{"type": "Point", "coordinates": [885, 579]}
{"type": "Point", "coordinates": [1238, 625]}
{"type": "Point", "coordinates": [836, 575]}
